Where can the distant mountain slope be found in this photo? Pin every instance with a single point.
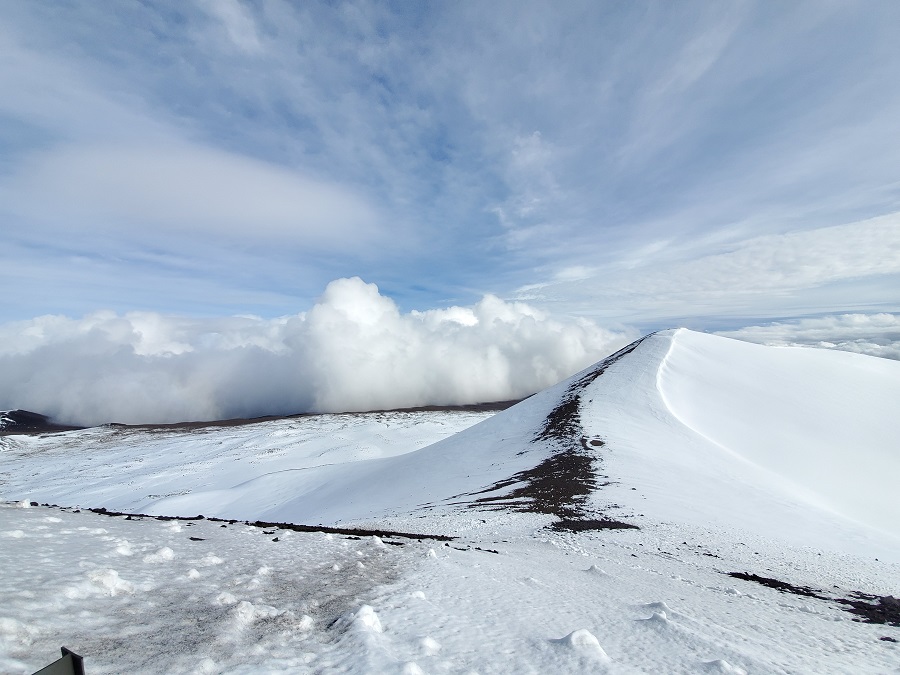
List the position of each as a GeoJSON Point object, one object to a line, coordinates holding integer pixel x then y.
{"type": "Point", "coordinates": [26, 422]}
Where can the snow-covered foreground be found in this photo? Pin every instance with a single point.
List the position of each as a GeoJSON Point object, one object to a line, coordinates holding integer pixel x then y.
{"type": "Point", "coordinates": [729, 457]}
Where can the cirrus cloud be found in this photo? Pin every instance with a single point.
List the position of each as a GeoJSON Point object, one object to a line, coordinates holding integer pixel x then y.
{"type": "Point", "coordinates": [182, 187]}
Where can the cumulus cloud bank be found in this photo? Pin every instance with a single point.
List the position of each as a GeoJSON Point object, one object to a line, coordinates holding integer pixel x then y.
{"type": "Point", "coordinates": [872, 334]}
{"type": "Point", "coordinates": [354, 350]}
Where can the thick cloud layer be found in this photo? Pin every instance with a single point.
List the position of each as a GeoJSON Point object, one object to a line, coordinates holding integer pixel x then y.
{"type": "Point", "coordinates": [872, 334]}
{"type": "Point", "coordinates": [353, 350]}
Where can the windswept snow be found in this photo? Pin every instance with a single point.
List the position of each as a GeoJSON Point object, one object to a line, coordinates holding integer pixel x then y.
{"type": "Point", "coordinates": [731, 458]}
{"type": "Point", "coordinates": [143, 470]}
{"type": "Point", "coordinates": [829, 423]}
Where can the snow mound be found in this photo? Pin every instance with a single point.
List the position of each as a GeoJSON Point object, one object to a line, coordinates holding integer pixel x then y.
{"type": "Point", "coordinates": [583, 641]}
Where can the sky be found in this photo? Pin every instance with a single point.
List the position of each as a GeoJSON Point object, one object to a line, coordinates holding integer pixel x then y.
{"type": "Point", "coordinates": [634, 165]}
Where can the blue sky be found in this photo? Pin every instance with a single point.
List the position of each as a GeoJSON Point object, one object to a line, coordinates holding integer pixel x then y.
{"type": "Point", "coordinates": [639, 164]}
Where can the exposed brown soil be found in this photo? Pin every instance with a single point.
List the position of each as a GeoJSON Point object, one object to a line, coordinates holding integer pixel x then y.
{"type": "Point", "coordinates": [26, 422]}
{"type": "Point", "coordinates": [33, 423]}
{"type": "Point", "coordinates": [586, 524]}
{"type": "Point", "coordinates": [561, 485]}
{"type": "Point", "coordinates": [880, 609]}
{"type": "Point", "coordinates": [351, 531]}
{"type": "Point", "coordinates": [873, 608]}
{"type": "Point", "coordinates": [782, 586]}
{"type": "Point", "coordinates": [242, 421]}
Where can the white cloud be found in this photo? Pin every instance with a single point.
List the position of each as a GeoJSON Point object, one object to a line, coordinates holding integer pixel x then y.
{"type": "Point", "coordinates": [760, 276]}
{"type": "Point", "coordinates": [183, 187]}
{"type": "Point", "coordinates": [354, 350]}
{"type": "Point", "coordinates": [237, 21]}
{"type": "Point", "coordinates": [872, 334]}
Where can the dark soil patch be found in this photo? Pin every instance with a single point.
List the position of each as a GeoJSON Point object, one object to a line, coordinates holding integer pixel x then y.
{"type": "Point", "coordinates": [561, 485]}
{"type": "Point", "coordinates": [883, 609]}
{"type": "Point", "coordinates": [782, 586]}
{"type": "Point", "coordinates": [25, 422]}
{"type": "Point", "coordinates": [588, 524]}
{"type": "Point", "coordinates": [352, 531]}
{"type": "Point", "coordinates": [880, 609]}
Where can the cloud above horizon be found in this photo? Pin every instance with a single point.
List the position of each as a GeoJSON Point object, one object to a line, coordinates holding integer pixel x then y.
{"type": "Point", "coordinates": [872, 334]}
{"type": "Point", "coordinates": [353, 350]}
{"type": "Point", "coordinates": [816, 270]}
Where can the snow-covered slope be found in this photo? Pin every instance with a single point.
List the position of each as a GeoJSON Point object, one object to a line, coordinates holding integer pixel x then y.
{"type": "Point", "coordinates": [681, 426]}
{"type": "Point", "coordinates": [771, 464]}
{"type": "Point", "coordinates": [137, 469]}
{"type": "Point", "coordinates": [796, 444]}
{"type": "Point", "coordinates": [792, 443]}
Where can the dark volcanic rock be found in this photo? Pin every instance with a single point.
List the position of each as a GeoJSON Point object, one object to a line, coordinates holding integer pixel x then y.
{"type": "Point", "coordinates": [26, 422]}
{"type": "Point", "coordinates": [561, 485]}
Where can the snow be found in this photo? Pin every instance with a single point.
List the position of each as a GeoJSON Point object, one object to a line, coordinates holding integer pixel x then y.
{"type": "Point", "coordinates": [729, 457]}
{"type": "Point", "coordinates": [831, 419]}
{"type": "Point", "coordinates": [143, 470]}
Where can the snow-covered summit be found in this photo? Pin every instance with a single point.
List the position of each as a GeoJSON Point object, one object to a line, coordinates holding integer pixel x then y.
{"type": "Point", "coordinates": [679, 426]}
